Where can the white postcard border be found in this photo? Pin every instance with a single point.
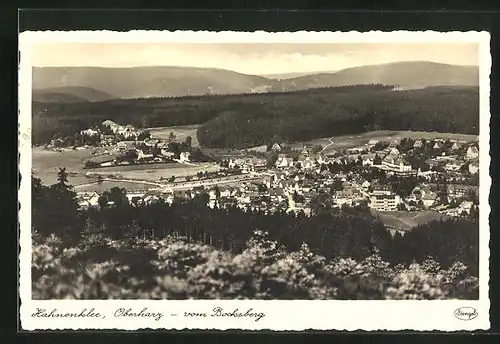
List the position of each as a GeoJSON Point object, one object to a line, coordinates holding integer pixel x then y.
{"type": "Point", "coordinates": [279, 315]}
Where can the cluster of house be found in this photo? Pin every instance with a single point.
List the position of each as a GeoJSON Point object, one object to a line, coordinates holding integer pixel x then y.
{"type": "Point", "coordinates": [459, 195]}
{"type": "Point", "coordinates": [247, 164]}
{"type": "Point", "coordinates": [294, 193]}
{"type": "Point", "coordinates": [147, 150]}
{"type": "Point", "coordinates": [293, 183]}
{"type": "Point", "coordinates": [110, 133]}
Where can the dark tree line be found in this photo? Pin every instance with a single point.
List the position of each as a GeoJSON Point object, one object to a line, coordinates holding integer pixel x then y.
{"type": "Point", "coordinates": [54, 208]}
{"type": "Point", "coordinates": [351, 233]}
{"type": "Point", "coordinates": [308, 117]}
{"type": "Point", "coordinates": [255, 119]}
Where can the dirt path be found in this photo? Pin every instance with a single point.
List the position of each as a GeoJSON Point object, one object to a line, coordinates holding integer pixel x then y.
{"type": "Point", "coordinates": [328, 145]}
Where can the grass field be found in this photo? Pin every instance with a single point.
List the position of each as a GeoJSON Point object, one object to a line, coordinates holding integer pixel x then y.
{"type": "Point", "coordinates": [153, 172]}
{"type": "Point", "coordinates": [180, 132]}
{"type": "Point", "coordinates": [45, 164]}
{"type": "Point", "coordinates": [405, 220]}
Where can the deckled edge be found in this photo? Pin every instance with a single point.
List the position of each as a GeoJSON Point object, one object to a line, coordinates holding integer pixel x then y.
{"type": "Point", "coordinates": [30, 37]}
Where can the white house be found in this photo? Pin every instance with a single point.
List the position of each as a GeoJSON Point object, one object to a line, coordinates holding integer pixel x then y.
{"type": "Point", "coordinates": [382, 190]}
{"type": "Point", "coordinates": [456, 145]}
{"type": "Point", "coordinates": [166, 153]}
{"type": "Point", "coordinates": [142, 155]}
{"type": "Point", "coordinates": [109, 123]}
{"type": "Point", "coordinates": [472, 152]}
{"type": "Point", "coordinates": [307, 163]}
{"type": "Point", "coordinates": [418, 144]}
{"type": "Point", "coordinates": [305, 151]}
{"type": "Point", "coordinates": [113, 126]}
{"type": "Point", "coordinates": [437, 145]}
{"type": "Point", "coordinates": [150, 198]}
{"type": "Point", "coordinates": [385, 202]}
{"type": "Point", "coordinates": [184, 156]}
{"type": "Point", "coordinates": [226, 192]}
{"type": "Point", "coordinates": [125, 145]}
{"type": "Point", "coordinates": [394, 162]}
{"type": "Point", "coordinates": [453, 166]}
{"type": "Point", "coordinates": [89, 132]}
{"type": "Point", "coordinates": [236, 162]}
{"type": "Point", "coordinates": [429, 199]}
{"type": "Point", "coordinates": [465, 206]}
{"type": "Point", "coordinates": [88, 199]}
{"type": "Point", "coordinates": [367, 161]}
{"type": "Point", "coordinates": [474, 168]}
{"type": "Point", "coordinates": [322, 159]}
{"type": "Point", "coordinates": [284, 161]}
{"type": "Point", "coordinates": [276, 147]}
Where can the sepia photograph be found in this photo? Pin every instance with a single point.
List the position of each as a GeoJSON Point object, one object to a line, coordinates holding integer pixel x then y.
{"type": "Point", "coordinates": [337, 170]}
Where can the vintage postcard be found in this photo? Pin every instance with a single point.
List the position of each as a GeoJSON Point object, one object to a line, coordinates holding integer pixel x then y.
{"type": "Point", "coordinates": [253, 180]}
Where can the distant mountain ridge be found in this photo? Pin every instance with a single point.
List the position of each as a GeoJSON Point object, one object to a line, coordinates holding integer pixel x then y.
{"type": "Point", "coordinates": [406, 75]}
{"type": "Point", "coordinates": [148, 82]}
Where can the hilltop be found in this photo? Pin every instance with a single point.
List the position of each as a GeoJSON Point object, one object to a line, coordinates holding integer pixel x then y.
{"type": "Point", "coordinates": [151, 82]}
{"type": "Point", "coordinates": [145, 82]}
{"type": "Point", "coordinates": [407, 75]}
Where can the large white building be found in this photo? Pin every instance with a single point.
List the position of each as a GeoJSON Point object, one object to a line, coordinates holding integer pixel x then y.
{"type": "Point", "coordinates": [384, 202]}
{"type": "Point", "coordinates": [394, 162]}
{"type": "Point", "coordinates": [89, 132]}
{"type": "Point", "coordinates": [284, 161]}
{"type": "Point", "coordinates": [184, 156]}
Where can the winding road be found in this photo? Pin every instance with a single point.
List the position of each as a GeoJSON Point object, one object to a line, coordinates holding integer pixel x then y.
{"type": "Point", "coordinates": [328, 145]}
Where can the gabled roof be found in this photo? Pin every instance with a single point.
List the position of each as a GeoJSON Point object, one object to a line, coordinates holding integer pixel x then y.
{"type": "Point", "coordinates": [473, 149]}
{"type": "Point", "coordinates": [466, 204]}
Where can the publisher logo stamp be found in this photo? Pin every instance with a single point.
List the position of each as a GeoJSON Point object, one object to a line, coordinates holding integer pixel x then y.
{"type": "Point", "coordinates": [465, 313]}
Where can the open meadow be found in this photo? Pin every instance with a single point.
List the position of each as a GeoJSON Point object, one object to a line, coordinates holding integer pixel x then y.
{"type": "Point", "coordinates": [180, 132]}
{"type": "Point", "coordinates": [46, 163]}
{"type": "Point", "coordinates": [153, 172]}
{"type": "Point", "coordinates": [405, 220]}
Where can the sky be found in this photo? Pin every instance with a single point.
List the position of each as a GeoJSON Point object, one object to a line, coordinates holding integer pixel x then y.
{"type": "Point", "coordinates": [251, 58]}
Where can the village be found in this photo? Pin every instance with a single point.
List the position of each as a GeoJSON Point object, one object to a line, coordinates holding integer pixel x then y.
{"type": "Point", "coordinates": [400, 175]}
{"type": "Point", "coordinates": [125, 145]}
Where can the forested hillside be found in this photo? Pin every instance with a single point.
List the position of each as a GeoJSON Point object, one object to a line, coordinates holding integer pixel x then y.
{"type": "Point", "coordinates": [254, 119]}
{"type": "Point", "coordinates": [110, 252]}
{"type": "Point", "coordinates": [332, 112]}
